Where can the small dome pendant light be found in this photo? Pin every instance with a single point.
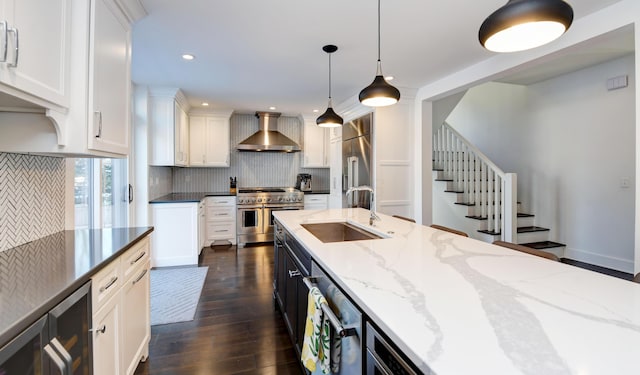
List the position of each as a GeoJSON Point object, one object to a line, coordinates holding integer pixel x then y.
{"type": "Point", "coordinates": [329, 119]}
{"type": "Point", "coordinates": [524, 24]}
{"type": "Point", "coordinates": [379, 93]}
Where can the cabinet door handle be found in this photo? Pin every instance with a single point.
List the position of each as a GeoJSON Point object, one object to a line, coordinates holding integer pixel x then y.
{"type": "Point", "coordinates": [62, 367]}
{"type": "Point", "coordinates": [130, 191]}
{"type": "Point", "coordinates": [140, 277]}
{"type": "Point", "coordinates": [295, 273]}
{"type": "Point", "coordinates": [109, 284]}
{"type": "Point", "coordinates": [225, 214]}
{"type": "Point", "coordinates": [138, 258]}
{"type": "Point", "coordinates": [63, 354]}
{"type": "Point", "coordinates": [14, 64]}
{"type": "Point", "coordinates": [102, 329]}
{"type": "Point", "coordinates": [5, 40]}
{"type": "Point", "coordinates": [221, 231]}
{"type": "Point", "coordinates": [99, 113]}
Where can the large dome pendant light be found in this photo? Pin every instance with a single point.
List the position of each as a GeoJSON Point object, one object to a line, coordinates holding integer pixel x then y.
{"type": "Point", "coordinates": [329, 119]}
{"type": "Point", "coordinates": [524, 24]}
{"type": "Point", "coordinates": [379, 93]}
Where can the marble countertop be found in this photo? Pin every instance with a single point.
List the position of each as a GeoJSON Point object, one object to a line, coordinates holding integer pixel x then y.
{"type": "Point", "coordinates": [456, 305]}
{"type": "Point", "coordinates": [36, 276]}
{"type": "Point", "coordinates": [189, 197]}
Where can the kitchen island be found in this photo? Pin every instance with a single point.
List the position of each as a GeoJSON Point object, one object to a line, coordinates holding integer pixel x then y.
{"type": "Point", "coordinates": [455, 305]}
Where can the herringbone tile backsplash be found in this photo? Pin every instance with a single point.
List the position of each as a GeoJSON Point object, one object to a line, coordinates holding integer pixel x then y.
{"type": "Point", "coordinates": [31, 198]}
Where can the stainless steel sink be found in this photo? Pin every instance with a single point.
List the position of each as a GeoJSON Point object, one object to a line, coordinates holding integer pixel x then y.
{"type": "Point", "coordinates": [339, 232]}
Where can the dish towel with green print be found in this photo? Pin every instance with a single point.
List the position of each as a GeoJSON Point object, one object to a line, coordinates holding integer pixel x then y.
{"type": "Point", "coordinates": [317, 336]}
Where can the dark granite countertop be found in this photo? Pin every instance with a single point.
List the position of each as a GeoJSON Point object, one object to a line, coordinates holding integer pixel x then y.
{"type": "Point", "coordinates": [36, 276]}
{"type": "Point", "coordinates": [189, 197]}
{"type": "Point", "coordinates": [317, 192]}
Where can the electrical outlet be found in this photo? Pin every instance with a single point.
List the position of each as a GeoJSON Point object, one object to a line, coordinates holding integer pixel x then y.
{"type": "Point", "coordinates": [625, 182]}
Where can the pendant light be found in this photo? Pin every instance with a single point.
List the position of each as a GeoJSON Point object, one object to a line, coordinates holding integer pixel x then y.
{"type": "Point", "coordinates": [379, 93]}
{"type": "Point", "coordinates": [329, 119]}
{"type": "Point", "coordinates": [525, 24]}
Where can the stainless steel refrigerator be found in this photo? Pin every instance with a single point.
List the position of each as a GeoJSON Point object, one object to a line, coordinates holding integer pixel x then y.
{"type": "Point", "coordinates": [356, 160]}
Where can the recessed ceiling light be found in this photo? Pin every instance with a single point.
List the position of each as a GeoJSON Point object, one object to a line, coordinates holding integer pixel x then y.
{"type": "Point", "coordinates": [188, 57]}
{"type": "Point", "coordinates": [205, 104]}
{"type": "Point", "coordinates": [389, 78]}
{"type": "Point", "coordinates": [315, 111]}
{"type": "Point", "coordinates": [272, 108]}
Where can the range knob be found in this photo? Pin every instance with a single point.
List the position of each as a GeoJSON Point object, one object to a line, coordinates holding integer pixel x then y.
{"type": "Point", "coordinates": [300, 199]}
{"type": "Point", "coordinates": [253, 200]}
{"type": "Point", "coordinates": [259, 200]}
{"type": "Point", "coordinates": [268, 199]}
{"type": "Point", "coordinates": [240, 200]}
{"type": "Point", "coordinates": [286, 199]}
{"type": "Point", "coordinates": [280, 199]}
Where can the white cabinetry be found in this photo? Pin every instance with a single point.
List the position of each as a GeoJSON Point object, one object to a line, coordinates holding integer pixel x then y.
{"type": "Point", "coordinates": [316, 145]}
{"type": "Point", "coordinates": [202, 225]}
{"type": "Point", "coordinates": [175, 238]}
{"type": "Point", "coordinates": [90, 107]}
{"type": "Point", "coordinates": [168, 128]}
{"type": "Point", "coordinates": [37, 49]}
{"type": "Point", "coordinates": [316, 201]}
{"type": "Point", "coordinates": [221, 219]}
{"type": "Point", "coordinates": [209, 139]}
{"type": "Point", "coordinates": [120, 303]}
{"type": "Point", "coordinates": [335, 174]}
{"type": "Point", "coordinates": [109, 79]}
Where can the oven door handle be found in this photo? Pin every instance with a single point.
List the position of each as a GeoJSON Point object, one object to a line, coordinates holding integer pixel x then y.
{"type": "Point", "coordinates": [335, 322]}
{"type": "Point", "coordinates": [245, 208]}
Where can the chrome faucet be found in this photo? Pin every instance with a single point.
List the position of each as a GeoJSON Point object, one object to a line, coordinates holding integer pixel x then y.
{"type": "Point", "coordinates": [373, 215]}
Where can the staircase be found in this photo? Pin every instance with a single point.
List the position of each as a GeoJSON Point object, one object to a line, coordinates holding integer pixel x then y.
{"type": "Point", "coordinates": [479, 198]}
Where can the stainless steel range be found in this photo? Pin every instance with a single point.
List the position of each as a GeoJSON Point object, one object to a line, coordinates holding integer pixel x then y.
{"type": "Point", "coordinates": [255, 211]}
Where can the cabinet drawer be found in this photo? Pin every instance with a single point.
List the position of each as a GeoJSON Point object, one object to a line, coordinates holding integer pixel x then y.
{"type": "Point", "coordinates": [221, 231]}
{"type": "Point", "coordinates": [223, 213]}
{"type": "Point", "coordinates": [221, 201]}
{"type": "Point", "coordinates": [105, 284]}
{"type": "Point", "coordinates": [135, 257]}
{"type": "Point", "coordinates": [318, 199]}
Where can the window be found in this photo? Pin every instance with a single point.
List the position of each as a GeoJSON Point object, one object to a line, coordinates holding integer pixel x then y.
{"type": "Point", "coordinates": [100, 192]}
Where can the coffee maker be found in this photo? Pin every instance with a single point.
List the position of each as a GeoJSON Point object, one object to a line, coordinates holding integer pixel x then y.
{"type": "Point", "coordinates": [303, 182]}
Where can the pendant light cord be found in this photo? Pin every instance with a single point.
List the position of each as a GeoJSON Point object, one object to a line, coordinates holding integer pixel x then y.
{"type": "Point", "coordinates": [378, 31]}
{"type": "Point", "coordinates": [329, 77]}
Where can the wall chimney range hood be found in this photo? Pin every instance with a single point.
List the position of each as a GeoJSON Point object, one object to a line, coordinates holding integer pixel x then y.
{"type": "Point", "coordinates": [268, 138]}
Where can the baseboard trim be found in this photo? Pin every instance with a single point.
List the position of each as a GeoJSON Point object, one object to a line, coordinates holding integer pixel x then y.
{"type": "Point", "coordinates": [623, 265]}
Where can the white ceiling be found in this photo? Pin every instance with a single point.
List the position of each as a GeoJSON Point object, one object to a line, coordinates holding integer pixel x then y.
{"type": "Point", "coordinates": [253, 54]}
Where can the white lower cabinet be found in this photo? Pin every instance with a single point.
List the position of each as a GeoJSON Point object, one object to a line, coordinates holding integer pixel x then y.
{"type": "Point", "coordinates": [106, 339]}
{"type": "Point", "coordinates": [175, 238]}
{"type": "Point", "coordinates": [121, 308]}
{"type": "Point", "coordinates": [316, 201]}
{"type": "Point", "coordinates": [135, 323]}
{"type": "Point", "coordinates": [221, 219]}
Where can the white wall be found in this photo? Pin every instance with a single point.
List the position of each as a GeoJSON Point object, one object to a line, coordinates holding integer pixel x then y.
{"type": "Point", "coordinates": [621, 14]}
{"type": "Point", "coordinates": [571, 142]}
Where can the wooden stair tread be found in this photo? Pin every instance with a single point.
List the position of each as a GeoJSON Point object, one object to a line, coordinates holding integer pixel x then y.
{"type": "Point", "coordinates": [444, 179]}
{"type": "Point", "coordinates": [543, 245]}
{"type": "Point", "coordinates": [520, 230]}
{"type": "Point", "coordinates": [454, 191]}
{"type": "Point", "coordinates": [531, 229]}
{"type": "Point", "coordinates": [485, 217]}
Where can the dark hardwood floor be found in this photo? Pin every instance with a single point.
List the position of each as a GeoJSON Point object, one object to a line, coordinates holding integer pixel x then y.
{"type": "Point", "coordinates": [236, 329]}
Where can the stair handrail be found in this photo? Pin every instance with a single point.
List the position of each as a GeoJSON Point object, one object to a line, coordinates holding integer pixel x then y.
{"type": "Point", "coordinates": [476, 150]}
{"type": "Point", "coordinates": [503, 217]}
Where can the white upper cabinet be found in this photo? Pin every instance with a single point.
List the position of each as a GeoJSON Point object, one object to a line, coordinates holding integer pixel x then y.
{"type": "Point", "coordinates": [109, 79]}
{"type": "Point", "coordinates": [34, 50]}
{"type": "Point", "coordinates": [86, 109]}
{"type": "Point", "coordinates": [209, 144]}
{"type": "Point", "coordinates": [316, 145]}
{"type": "Point", "coordinates": [168, 128]}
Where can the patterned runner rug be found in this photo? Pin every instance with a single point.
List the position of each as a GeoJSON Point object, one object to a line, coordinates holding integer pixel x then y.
{"type": "Point", "coordinates": [175, 293]}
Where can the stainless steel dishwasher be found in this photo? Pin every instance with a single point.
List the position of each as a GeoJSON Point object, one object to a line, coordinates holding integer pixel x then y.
{"type": "Point", "coordinates": [345, 318]}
